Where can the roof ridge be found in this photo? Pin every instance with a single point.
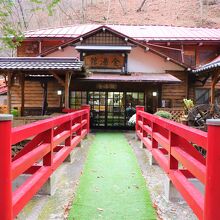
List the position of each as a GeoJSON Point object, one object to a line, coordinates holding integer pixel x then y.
{"type": "Point", "coordinates": [119, 24]}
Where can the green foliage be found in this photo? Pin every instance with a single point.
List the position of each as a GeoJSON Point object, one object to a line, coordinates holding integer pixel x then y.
{"type": "Point", "coordinates": [164, 114]}
{"type": "Point", "coordinates": [52, 5]}
{"type": "Point", "coordinates": [188, 105]}
{"type": "Point", "coordinates": [15, 112]}
{"type": "Point", "coordinates": [12, 26]}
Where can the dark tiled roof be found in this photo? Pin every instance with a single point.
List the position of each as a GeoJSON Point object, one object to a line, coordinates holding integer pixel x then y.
{"type": "Point", "coordinates": [39, 63]}
{"type": "Point", "coordinates": [209, 66]}
{"type": "Point", "coordinates": [133, 77]}
{"type": "Point", "coordinates": [3, 90]}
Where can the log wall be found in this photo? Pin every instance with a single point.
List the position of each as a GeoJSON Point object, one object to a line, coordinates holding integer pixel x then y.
{"type": "Point", "coordinates": [175, 93]}
{"type": "Point", "coordinates": [33, 95]}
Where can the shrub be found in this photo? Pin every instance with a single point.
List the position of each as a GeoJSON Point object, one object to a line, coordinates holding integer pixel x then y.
{"type": "Point", "coordinates": [14, 112]}
{"type": "Point", "coordinates": [164, 114]}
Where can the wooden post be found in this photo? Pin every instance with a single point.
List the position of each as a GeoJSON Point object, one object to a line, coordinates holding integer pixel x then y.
{"type": "Point", "coordinates": [215, 79]}
{"type": "Point", "coordinates": [44, 86]}
{"type": "Point", "coordinates": [213, 89]}
{"type": "Point", "coordinates": [67, 85]}
{"type": "Point", "coordinates": [22, 94]}
{"type": "Point", "coordinates": [9, 74]}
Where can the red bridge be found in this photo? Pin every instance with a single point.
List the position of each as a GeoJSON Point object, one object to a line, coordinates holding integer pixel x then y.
{"type": "Point", "coordinates": [171, 144]}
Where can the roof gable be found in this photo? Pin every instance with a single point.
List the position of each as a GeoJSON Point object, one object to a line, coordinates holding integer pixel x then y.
{"type": "Point", "coordinates": [125, 38]}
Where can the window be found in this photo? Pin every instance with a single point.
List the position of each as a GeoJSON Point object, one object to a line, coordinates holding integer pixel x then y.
{"type": "Point", "coordinates": [202, 96]}
{"type": "Point", "coordinates": [78, 99]}
{"type": "Point", "coordinates": [206, 55]}
{"type": "Point", "coordinates": [189, 57]}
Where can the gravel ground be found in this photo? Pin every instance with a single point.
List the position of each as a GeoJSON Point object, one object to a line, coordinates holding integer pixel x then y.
{"type": "Point", "coordinates": [154, 176]}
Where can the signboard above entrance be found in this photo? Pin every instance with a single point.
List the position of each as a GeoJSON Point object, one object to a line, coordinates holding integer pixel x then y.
{"type": "Point", "coordinates": [104, 61]}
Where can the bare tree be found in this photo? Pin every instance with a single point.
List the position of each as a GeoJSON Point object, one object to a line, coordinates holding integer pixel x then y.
{"type": "Point", "coordinates": [123, 7]}
{"type": "Point", "coordinates": [141, 6]}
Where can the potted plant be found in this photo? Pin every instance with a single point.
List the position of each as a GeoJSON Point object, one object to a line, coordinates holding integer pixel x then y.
{"type": "Point", "coordinates": [188, 105]}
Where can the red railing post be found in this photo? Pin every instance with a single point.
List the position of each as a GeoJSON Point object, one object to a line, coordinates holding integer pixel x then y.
{"type": "Point", "coordinates": [138, 108]}
{"type": "Point", "coordinates": [6, 212]}
{"type": "Point", "coordinates": [88, 116]}
{"type": "Point", "coordinates": [212, 188]}
{"type": "Point", "coordinates": [68, 127]}
{"type": "Point", "coordinates": [173, 141]}
{"type": "Point", "coordinates": [48, 159]}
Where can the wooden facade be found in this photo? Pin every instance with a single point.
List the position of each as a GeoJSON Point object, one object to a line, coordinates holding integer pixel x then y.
{"type": "Point", "coordinates": [174, 58]}
{"type": "Point", "coordinates": [33, 97]}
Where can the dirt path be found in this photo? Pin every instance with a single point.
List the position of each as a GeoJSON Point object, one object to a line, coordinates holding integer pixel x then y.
{"type": "Point", "coordinates": [112, 186]}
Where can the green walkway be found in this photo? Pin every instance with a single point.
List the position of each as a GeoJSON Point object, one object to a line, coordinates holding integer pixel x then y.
{"type": "Point", "coordinates": [112, 186]}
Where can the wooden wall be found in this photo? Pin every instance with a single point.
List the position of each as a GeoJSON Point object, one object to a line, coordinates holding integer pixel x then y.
{"type": "Point", "coordinates": [34, 48]}
{"type": "Point", "coordinates": [175, 93]}
{"type": "Point", "coordinates": [194, 55]}
{"type": "Point", "coordinates": [33, 94]}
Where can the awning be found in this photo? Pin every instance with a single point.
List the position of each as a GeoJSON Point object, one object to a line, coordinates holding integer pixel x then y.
{"type": "Point", "coordinates": [102, 48]}
{"type": "Point", "coordinates": [134, 77]}
{"type": "Point", "coordinates": [209, 66]}
{"type": "Point", "coordinates": [39, 63]}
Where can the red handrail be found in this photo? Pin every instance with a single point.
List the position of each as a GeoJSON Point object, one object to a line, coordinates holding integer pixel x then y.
{"type": "Point", "coordinates": [172, 144]}
{"type": "Point", "coordinates": [52, 140]}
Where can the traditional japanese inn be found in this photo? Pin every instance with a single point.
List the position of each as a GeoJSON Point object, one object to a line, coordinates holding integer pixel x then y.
{"type": "Point", "coordinates": [112, 68]}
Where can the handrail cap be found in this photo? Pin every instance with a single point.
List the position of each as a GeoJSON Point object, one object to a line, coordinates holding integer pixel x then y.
{"type": "Point", "coordinates": [213, 122]}
{"type": "Point", "coordinates": [6, 117]}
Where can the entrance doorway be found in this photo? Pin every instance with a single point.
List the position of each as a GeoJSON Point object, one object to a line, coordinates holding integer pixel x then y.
{"type": "Point", "coordinates": [109, 109]}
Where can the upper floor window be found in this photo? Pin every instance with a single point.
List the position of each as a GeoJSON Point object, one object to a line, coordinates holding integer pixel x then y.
{"type": "Point", "coordinates": [190, 57]}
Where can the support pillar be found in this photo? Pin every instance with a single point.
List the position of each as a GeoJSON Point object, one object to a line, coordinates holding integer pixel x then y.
{"type": "Point", "coordinates": [5, 167]}
{"type": "Point", "coordinates": [152, 161]}
{"type": "Point", "coordinates": [49, 187]}
{"type": "Point", "coordinates": [171, 193]}
{"type": "Point", "coordinates": [22, 94]}
{"type": "Point", "coordinates": [67, 85]}
{"type": "Point", "coordinates": [9, 83]}
{"type": "Point", "coordinates": [215, 79]}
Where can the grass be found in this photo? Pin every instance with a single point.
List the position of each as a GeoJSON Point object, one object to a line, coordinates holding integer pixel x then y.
{"type": "Point", "coordinates": [112, 186]}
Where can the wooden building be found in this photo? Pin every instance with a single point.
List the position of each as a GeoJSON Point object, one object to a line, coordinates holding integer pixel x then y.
{"type": "Point", "coordinates": [123, 66]}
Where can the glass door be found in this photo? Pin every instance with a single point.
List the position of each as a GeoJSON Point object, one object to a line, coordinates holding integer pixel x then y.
{"type": "Point", "coordinates": [108, 109]}
{"type": "Point", "coordinates": [97, 101]}
{"type": "Point", "coordinates": [116, 109]}
{"type": "Point", "coordinates": [131, 101]}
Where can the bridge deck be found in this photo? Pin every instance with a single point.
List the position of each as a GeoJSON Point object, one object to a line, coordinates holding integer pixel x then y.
{"type": "Point", "coordinates": [112, 185]}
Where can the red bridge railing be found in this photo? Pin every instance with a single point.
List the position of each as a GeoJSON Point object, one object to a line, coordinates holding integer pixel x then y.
{"type": "Point", "coordinates": [52, 140]}
{"type": "Point", "coordinates": [173, 147]}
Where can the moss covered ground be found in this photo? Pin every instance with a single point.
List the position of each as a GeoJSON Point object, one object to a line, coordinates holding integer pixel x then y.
{"type": "Point", "coordinates": [112, 186]}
